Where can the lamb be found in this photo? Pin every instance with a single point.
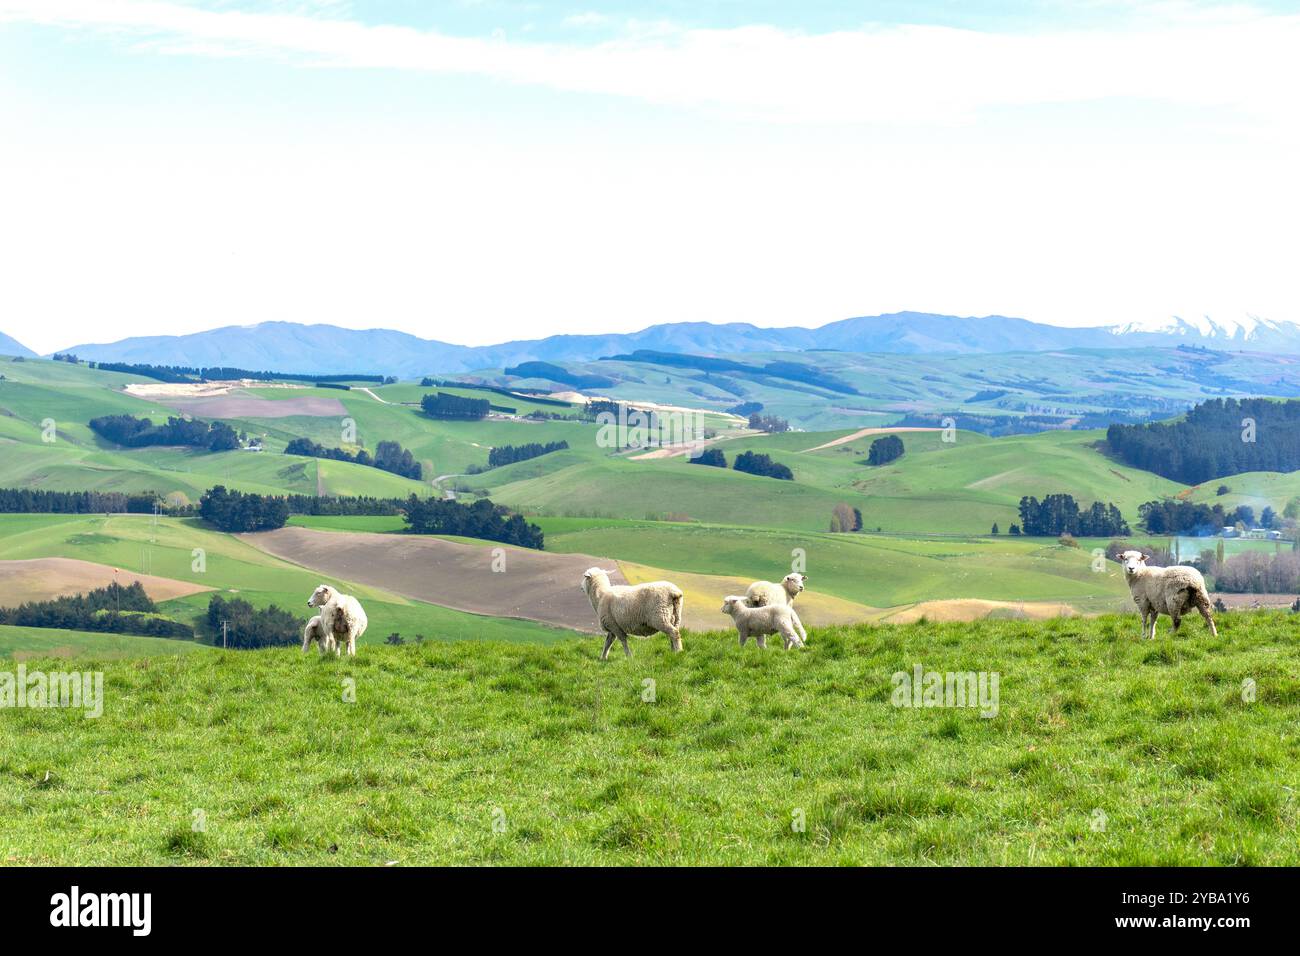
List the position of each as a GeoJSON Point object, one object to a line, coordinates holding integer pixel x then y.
{"type": "Point", "coordinates": [315, 633]}
{"type": "Point", "coordinates": [762, 593]}
{"type": "Point", "coordinates": [637, 609]}
{"type": "Point", "coordinates": [341, 616]}
{"type": "Point", "coordinates": [761, 621]}
{"type": "Point", "coordinates": [1173, 591]}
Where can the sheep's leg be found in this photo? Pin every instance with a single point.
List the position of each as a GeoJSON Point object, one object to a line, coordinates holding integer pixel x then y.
{"type": "Point", "coordinates": [744, 635]}
{"type": "Point", "coordinates": [1202, 602]}
{"type": "Point", "coordinates": [674, 637]}
{"type": "Point", "coordinates": [627, 651]}
{"type": "Point", "coordinates": [761, 641]}
{"type": "Point", "coordinates": [352, 645]}
{"type": "Point", "coordinates": [798, 626]}
{"type": "Point", "coordinates": [609, 642]}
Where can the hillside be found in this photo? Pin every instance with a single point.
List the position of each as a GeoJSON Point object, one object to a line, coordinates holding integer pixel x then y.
{"type": "Point", "coordinates": [11, 346]}
{"type": "Point", "coordinates": [493, 753]}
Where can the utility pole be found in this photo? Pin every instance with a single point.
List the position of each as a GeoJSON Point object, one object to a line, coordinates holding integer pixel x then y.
{"type": "Point", "coordinates": [224, 643]}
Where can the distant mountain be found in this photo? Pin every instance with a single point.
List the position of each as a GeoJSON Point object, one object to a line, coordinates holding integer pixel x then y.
{"type": "Point", "coordinates": [10, 346]}
{"type": "Point", "coordinates": [290, 347]}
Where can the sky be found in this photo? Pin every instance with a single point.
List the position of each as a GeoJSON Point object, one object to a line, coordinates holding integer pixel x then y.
{"type": "Point", "coordinates": [477, 171]}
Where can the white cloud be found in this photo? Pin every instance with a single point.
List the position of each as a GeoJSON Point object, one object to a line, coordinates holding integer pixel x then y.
{"type": "Point", "coordinates": [903, 74]}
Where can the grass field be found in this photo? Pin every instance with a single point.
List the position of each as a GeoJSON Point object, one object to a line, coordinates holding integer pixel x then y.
{"type": "Point", "coordinates": [497, 753]}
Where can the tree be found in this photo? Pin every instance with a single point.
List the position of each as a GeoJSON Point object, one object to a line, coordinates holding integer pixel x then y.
{"type": "Point", "coordinates": [235, 511]}
{"type": "Point", "coordinates": [884, 450]}
{"type": "Point", "coordinates": [445, 405]}
{"type": "Point", "coordinates": [754, 463]}
{"type": "Point", "coordinates": [995, 528]}
{"type": "Point", "coordinates": [842, 518]}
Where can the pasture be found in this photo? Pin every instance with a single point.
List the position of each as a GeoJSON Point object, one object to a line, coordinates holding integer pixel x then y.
{"type": "Point", "coordinates": [1104, 750]}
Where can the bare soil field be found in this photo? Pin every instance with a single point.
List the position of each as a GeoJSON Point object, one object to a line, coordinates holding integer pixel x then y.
{"type": "Point", "coordinates": [246, 405]}
{"type": "Point", "coordinates": [972, 609]}
{"type": "Point", "coordinates": [1250, 601]}
{"type": "Point", "coordinates": [534, 585]}
{"type": "Point", "coordinates": [42, 579]}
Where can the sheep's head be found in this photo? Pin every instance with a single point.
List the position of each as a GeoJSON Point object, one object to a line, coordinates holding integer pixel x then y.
{"type": "Point", "coordinates": [731, 602]}
{"type": "Point", "coordinates": [592, 577]}
{"type": "Point", "coordinates": [1133, 561]}
{"type": "Point", "coordinates": [321, 596]}
{"type": "Point", "coordinates": [794, 583]}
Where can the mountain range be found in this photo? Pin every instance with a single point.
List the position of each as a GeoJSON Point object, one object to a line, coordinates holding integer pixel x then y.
{"type": "Point", "coordinates": [293, 347]}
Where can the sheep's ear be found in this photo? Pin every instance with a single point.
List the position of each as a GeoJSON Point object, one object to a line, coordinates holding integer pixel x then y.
{"type": "Point", "coordinates": [1142, 558]}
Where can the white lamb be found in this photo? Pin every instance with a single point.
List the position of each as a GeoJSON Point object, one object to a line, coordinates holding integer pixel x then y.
{"type": "Point", "coordinates": [637, 609]}
{"type": "Point", "coordinates": [762, 621]}
{"type": "Point", "coordinates": [1174, 591]}
{"type": "Point", "coordinates": [341, 616]}
{"type": "Point", "coordinates": [761, 593]}
{"type": "Point", "coordinates": [315, 633]}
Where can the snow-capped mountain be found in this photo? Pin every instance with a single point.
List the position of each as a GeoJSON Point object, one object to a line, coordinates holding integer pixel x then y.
{"type": "Point", "coordinates": [1245, 331]}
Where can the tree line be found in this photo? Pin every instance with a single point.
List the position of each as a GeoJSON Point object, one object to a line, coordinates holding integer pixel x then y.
{"type": "Point", "coordinates": [754, 463]}
{"type": "Point", "coordinates": [236, 511]}
{"type": "Point", "coordinates": [133, 432]}
{"type": "Point", "coordinates": [482, 519]}
{"type": "Point", "coordinates": [1061, 514]}
{"type": "Point", "coordinates": [389, 456]}
{"type": "Point", "coordinates": [509, 454]}
{"type": "Point", "coordinates": [186, 373]}
{"type": "Point", "coordinates": [112, 610]}
{"type": "Point", "coordinates": [446, 405]}
{"type": "Point", "coordinates": [34, 501]}
{"type": "Point", "coordinates": [1216, 438]}
{"type": "Point", "coordinates": [1187, 517]}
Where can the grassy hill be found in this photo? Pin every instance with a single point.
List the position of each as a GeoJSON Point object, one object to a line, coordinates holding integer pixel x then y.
{"type": "Point", "coordinates": [498, 753]}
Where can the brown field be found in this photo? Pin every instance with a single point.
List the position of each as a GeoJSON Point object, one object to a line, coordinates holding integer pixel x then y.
{"type": "Point", "coordinates": [241, 404]}
{"type": "Point", "coordinates": [1250, 601]}
{"type": "Point", "coordinates": [972, 609]}
{"type": "Point", "coordinates": [535, 585]}
{"type": "Point", "coordinates": [42, 579]}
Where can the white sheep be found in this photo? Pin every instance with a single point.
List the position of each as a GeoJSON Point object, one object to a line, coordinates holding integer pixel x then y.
{"type": "Point", "coordinates": [762, 621]}
{"type": "Point", "coordinates": [315, 633]}
{"type": "Point", "coordinates": [341, 616]}
{"type": "Point", "coordinates": [761, 593]}
{"type": "Point", "coordinates": [637, 609]}
{"type": "Point", "coordinates": [1174, 591]}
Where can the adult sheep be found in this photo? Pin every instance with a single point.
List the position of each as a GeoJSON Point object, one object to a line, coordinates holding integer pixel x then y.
{"type": "Point", "coordinates": [341, 616]}
{"type": "Point", "coordinates": [762, 593]}
{"type": "Point", "coordinates": [1174, 591]}
{"type": "Point", "coordinates": [636, 609]}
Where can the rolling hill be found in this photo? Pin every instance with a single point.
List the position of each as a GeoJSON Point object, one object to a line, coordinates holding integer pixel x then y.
{"type": "Point", "coordinates": [10, 346]}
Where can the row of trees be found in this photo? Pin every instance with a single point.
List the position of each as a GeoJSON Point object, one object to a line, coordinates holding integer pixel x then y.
{"type": "Point", "coordinates": [509, 454]}
{"type": "Point", "coordinates": [34, 501]}
{"type": "Point", "coordinates": [1255, 572]}
{"type": "Point", "coordinates": [884, 450]}
{"type": "Point", "coordinates": [1219, 437]}
{"type": "Point", "coordinates": [1061, 514]}
{"type": "Point", "coordinates": [135, 432]}
{"type": "Point", "coordinates": [245, 627]}
{"type": "Point", "coordinates": [457, 407]}
{"type": "Point", "coordinates": [113, 610]}
{"type": "Point", "coordinates": [482, 519]}
{"type": "Point", "coordinates": [186, 373]}
{"type": "Point", "coordinates": [237, 511]}
{"type": "Point", "coordinates": [389, 456]}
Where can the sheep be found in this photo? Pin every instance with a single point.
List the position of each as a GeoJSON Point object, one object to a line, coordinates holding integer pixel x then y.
{"type": "Point", "coordinates": [762, 621]}
{"type": "Point", "coordinates": [314, 633]}
{"type": "Point", "coordinates": [342, 617]}
{"type": "Point", "coordinates": [762, 593]}
{"type": "Point", "coordinates": [1173, 591]}
{"type": "Point", "coordinates": [637, 609]}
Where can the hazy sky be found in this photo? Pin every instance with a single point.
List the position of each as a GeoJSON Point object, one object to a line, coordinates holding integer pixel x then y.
{"type": "Point", "coordinates": [477, 171]}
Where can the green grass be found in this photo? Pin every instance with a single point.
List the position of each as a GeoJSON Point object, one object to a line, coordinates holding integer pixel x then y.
{"type": "Point", "coordinates": [55, 642]}
{"type": "Point", "coordinates": [575, 766]}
